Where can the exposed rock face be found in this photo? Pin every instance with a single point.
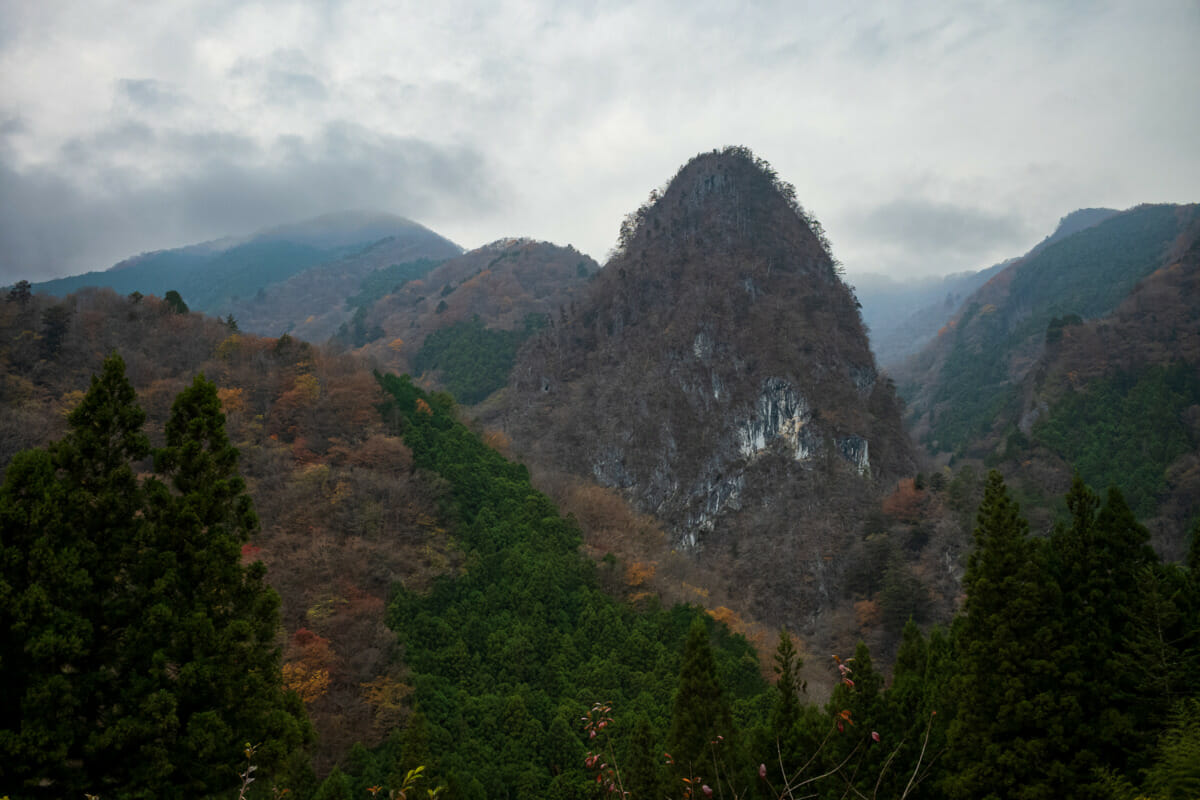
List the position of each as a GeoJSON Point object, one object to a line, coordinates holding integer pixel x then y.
{"type": "Point", "coordinates": [717, 371]}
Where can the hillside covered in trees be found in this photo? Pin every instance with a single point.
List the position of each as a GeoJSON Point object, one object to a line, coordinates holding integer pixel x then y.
{"type": "Point", "coordinates": [1069, 672]}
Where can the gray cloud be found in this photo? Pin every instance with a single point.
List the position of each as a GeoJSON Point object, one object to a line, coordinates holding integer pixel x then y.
{"type": "Point", "coordinates": [554, 118]}
{"type": "Point", "coordinates": [931, 227]}
{"type": "Point", "coordinates": [51, 225]}
{"type": "Point", "coordinates": [147, 93]}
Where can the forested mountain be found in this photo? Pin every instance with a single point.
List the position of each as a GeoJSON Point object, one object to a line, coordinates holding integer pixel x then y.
{"type": "Point", "coordinates": [342, 515]}
{"type": "Point", "coordinates": [461, 322]}
{"type": "Point", "coordinates": [716, 373]}
{"type": "Point", "coordinates": [959, 385]}
{"type": "Point", "coordinates": [1080, 356]}
{"type": "Point", "coordinates": [1118, 399]}
{"type": "Point", "coordinates": [904, 315]}
{"type": "Point", "coordinates": [221, 275]}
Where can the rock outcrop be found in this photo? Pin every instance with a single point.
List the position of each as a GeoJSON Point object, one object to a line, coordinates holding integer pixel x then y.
{"type": "Point", "coordinates": [718, 373]}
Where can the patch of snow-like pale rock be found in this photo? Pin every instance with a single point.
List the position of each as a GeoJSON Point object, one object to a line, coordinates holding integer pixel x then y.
{"type": "Point", "coordinates": [779, 413]}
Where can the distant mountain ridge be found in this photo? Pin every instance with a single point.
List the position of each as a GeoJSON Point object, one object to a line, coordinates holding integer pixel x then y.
{"type": "Point", "coordinates": [903, 316]}
{"type": "Point", "coordinates": [962, 382]}
{"type": "Point", "coordinates": [211, 276]}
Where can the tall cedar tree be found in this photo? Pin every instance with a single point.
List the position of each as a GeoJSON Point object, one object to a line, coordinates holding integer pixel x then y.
{"type": "Point", "coordinates": [1008, 739]}
{"type": "Point", "coordinates": [69, 526]}
{"type": "Point", "coordinates": [208, 635]}
{"type": "Point", "coordinates": [700, 713]}
{"type": "Point", "coordinates": [137, 655]}
{"type": "Point", "coordinates": [1097, 561]}
{"type": "Point", "coordinates": [859, 760]}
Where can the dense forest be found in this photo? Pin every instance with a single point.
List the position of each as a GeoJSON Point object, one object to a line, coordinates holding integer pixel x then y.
{"type": "Point", "coordinates": [1070, 671]}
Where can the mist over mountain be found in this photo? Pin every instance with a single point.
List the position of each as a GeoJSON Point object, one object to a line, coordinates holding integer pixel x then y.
{"type": "Point", "coordinates": [903, 315]}
{"type": "Point", "coordinates": [213, 276]}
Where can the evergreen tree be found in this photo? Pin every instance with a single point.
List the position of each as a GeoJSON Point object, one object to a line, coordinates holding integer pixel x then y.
{"type": "Point", "coordinates": [1007, 739]}
{"type": "Point", "coordinates": [858, 711]}
{"type": "Point", "coordinates": [640, 775]}
{"type": "Point", "coordinates": [207, 637]}
{"type": "Point", "coordinates": [137, 656]}
{"type": "Point", "coordinates": [700, 713]}
{"type": "Point", "coordinates": [174, 301]}
{"type": "Point", "coordinates": [70, 521]}
{"type": "Point", "coordinates": [1097, 561]}
{"type": "Point", "coordinates": [794, 730]}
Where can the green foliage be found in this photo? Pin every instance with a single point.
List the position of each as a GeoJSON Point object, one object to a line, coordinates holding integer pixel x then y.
{"type": "Point", "coordinates": [1007, 671]}
{"type": "Point", "coordinates": [1085, 275]}
{"type": "Point", "coordinates": [1125, 430]}
{"type": "Point", "coordinates": [175, 302]}
{"type": "Point", "coordinates": [700, 712]}
{"type": "Point", "coordinates": [388, 279]}
{"type": "Point", "coordinates": [137, 655]}
{"type": "Point", "coordinates": [524, 636]}
{"type": "Point", "coordinates": [356, 333]}
{"type": "Point", "coordinates": [473, 360]}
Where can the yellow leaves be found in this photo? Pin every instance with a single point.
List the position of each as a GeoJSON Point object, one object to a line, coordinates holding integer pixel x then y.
{"type": "Point", "coordinates": [396, 345]}
{"type": "Point", "coordinates": [696, 590]}
{"type": "Point", "coordinates": [638, 572]}
{"type": "Point", "coordinates": [232, 400]}
{"type": "Point", "coordinates": [385, 693]}
{"type": "Point", "coordinates": [987, 309]}
{"type": "Point", "coordinates": [325, 608]}
{"type": "Point", "coordinates": [71, 401]}
{"type": "Point", "coordinates": [226, 349]}
{"type": "Point", "coordinates": [386, 696]}
{"type": "Point", "coordinates": [310, 684]}
{"type": "Point", "coordinates": [341, 492]}
{"type": "Point", "coordinates": [308, 387]}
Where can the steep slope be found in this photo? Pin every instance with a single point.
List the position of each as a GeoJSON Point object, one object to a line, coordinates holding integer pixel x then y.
{"type": "Point", "coordinates": [214, 275]}
{"type": "Point", "coordinates": [486, 302]}
{"type": "Point", "coordinates": [1118, 399]}
{"type": "Point", "coordinates": [314, 303]}
{"type": "Point", "coordinates": [962, 388]}
{"type": "Point", "coordinates": [903, 316]}
{"type": "Point", "coordinates": [718, 373]}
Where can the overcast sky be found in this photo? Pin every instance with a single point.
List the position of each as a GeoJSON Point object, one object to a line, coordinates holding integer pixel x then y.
{"type": "Point", "coordinates": [927, 137]}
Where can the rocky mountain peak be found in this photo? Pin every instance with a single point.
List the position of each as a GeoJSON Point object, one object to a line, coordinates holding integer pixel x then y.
{"type": "Point", "coordinates": [716, 370]}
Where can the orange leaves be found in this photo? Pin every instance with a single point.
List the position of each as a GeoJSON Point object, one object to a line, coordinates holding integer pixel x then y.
{"type": "Point", "coordinates": [396, 345]}
{"type": "Point", "coordinates": [310, 684]}
{"type": "Point", "coordinates": [638, 572]}
{"type": "Point", "coordinates": [423, 407]}
{"type": "Point", "coordinates": [907, 503]}
{"type": "Point", "coordinates": [867, 614]}
{"type": "Point", "coordinates": [232, 400]}
{"type": "Point", "coordinates": [307, 671]}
